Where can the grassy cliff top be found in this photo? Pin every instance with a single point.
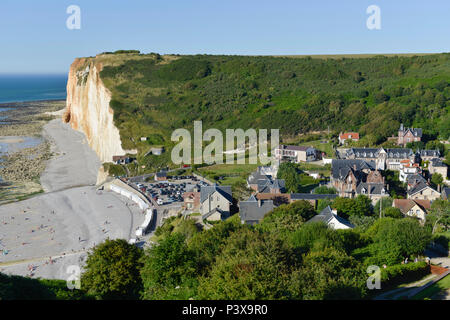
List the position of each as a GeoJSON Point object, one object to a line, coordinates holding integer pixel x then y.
{"type": "Point", "coordinates": [154, 94]}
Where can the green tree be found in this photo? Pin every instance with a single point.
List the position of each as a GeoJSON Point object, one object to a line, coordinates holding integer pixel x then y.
{"type": "Point", "coordinates": [416, 145]}
{"type": "Point", "coordinates": [323, 203]}
{"type": "Point", "coordinates": [362, 223]}
{"type": "Point", "coordinates": [385, 202]}
{"type": "Point", "coordinates": [206, 245]}
{"type": "Point", "coordinates": [310, 235]}
{"type": "Point", "coordinates": [287, 218]}
{"type": "Point", "coordinates": [359, 206]}
{"type": "Point", "coordinates": [251, 266]}
{"type": "Point", "coordinates": [331, 274]}
{"type": "Point", "coordinates": [396, 239]}
{"type": "Point", "coordinates": [112, 271]}
{"type": "Point", "coordinates": [439, 215]}
{"type": "Point", "coordinates": [435, 145]}
{"type": "Point", "coordinates": [288, 172]}
{"type": "Point", "coordinates": [392, 212]}
{"type": "Point", "coordinates": [437, 179]}
{"type": "Point", "coordinates": [168, 265]}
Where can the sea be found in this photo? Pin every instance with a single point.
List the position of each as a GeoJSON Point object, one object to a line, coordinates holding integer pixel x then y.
{"type": "Point", "coordinates": [22, 88]}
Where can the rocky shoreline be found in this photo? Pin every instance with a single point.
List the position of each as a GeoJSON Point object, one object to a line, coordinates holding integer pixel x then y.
{"type": "Point", "coordinates": [20, 168]}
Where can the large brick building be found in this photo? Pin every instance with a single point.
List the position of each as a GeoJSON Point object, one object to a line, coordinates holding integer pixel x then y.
{"type": "Point", "coordinates": [406, 135]}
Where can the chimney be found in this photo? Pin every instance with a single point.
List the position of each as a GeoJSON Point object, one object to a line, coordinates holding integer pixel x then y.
{"type": "Point", "coordinates": [387, 187]}
{"type": "Point", "coordinates": [354, 166]}
{"type": "Point", "coordinates": [259, 203]}
{"type": "Point", "coordinates": [368, 187]}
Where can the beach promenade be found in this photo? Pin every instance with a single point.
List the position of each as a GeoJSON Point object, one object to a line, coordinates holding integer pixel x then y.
{"type": "Point", "coordinates": [69, 218]}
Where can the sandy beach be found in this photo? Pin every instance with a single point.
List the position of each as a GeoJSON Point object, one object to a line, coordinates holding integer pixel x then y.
{"type": "Point", "coordinates": [69, 218]}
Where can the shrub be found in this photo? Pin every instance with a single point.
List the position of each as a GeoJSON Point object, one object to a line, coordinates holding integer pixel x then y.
{"type": "Point", "coordinates": [112, 271]}
{"type": "Point", "coordinates": [402, 273]}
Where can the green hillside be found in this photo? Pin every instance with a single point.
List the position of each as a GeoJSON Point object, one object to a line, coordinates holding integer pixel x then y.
{"type": "Point", "coordinates": [153, 94]}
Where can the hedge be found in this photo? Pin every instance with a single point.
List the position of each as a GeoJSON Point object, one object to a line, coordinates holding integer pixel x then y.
{"type": "Point", "coordinates": [401, 273]}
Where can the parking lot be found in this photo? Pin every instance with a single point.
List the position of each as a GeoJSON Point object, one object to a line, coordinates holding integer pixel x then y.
{"type": "Point", "coordinates": [170, 191]}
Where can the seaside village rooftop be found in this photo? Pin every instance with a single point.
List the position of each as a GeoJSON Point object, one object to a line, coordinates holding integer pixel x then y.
{"type": "Point", "coordinates": [355, 171]}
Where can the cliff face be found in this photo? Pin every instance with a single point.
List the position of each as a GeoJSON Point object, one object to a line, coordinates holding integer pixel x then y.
{"type": "Point", "coordinates": [88, 110]}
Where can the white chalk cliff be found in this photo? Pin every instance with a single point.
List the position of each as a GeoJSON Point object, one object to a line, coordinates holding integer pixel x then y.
{"type": "Point", "coordinates": [88, 110]}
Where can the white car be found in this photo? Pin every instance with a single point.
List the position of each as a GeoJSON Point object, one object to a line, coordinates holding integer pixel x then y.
{"type": "Point", "coordinates": [160, 202]}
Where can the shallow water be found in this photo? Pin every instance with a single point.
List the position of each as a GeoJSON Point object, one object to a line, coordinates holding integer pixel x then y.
{"type": "Point", "coordinates": [13, 144]}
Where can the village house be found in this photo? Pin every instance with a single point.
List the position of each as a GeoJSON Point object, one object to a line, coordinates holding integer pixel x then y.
{"type": "Point", "coordinates": [385, 159]}
{"type": "Point", "coordinates": [422, 191]}
{"type": "Point", "coordinates": [350, 136]}
{"type": "Point", "coordinates": [253, 210]}
{"type": "Point", "coordinates": [215, 202]}
{"type": "Point", "coordinates": [297, 154]}
{"type": "Point", "coordinates": [332, 220]}
{"type": "Point", "coordinates": [406, 135]}
{"type": "Point", "coordinates": [269, 170]}
{"type": "Point", "coordinates": [161, 176]}
{"type": "Point", "coordinates": [437, 166]}
{"type": "Point", "coordinates": [413, 179]}
{"type": "Point", "coordinates": [427, 155]}
{"type": "Point", "coordinates": [407, 167]}
{"type": "Point", "coordinates": [413, 208]}
{"type": "Point", "coordinates": [191, 200]}
{"type": "Point", "coordinates": [354, 177]}
{"type": "Point", "coordinates": [277, 198]}
{"type": "Point", "coordinates": [264, 183]}
{"type": "Point", "coordinates": [374, 191]}
{"type": "Point", "coordinates": [123, 159]}
{"type": "Point", "coordinates": [257, 179]}
{"type": "Point", "coordinates": [346, 175]}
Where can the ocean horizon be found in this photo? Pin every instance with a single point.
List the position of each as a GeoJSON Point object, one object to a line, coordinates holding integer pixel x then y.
{"type": "Point", "coordinates": [33, 87]}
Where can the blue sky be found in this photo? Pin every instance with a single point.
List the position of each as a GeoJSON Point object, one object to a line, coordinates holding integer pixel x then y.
{"type": "Point", "coordinates": [34, 37]}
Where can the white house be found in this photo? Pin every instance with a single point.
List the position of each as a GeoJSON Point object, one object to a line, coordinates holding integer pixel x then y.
{"type": "Point", "coordinates": [408, 167]}
{"type": "Point", "coordinates": [330, 217]}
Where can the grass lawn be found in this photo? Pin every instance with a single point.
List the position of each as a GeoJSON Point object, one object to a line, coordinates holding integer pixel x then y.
{"type": "Point", "coordinates": [325, 147]}
{"type": "Point", "coordinates": [323, 170]}
{"type": "Point", "coordinates": [441, 285]}
{"type": "Point", "coordinates": [230, 173]}
{"type": "Point", "coordinates": [234, 175]}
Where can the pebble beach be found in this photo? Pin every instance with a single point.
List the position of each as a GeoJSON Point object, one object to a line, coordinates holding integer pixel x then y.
{"type": "Point", "coordinates": [47, 233]}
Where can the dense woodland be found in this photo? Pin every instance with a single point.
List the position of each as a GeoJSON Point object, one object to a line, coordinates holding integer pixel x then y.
{"type": "Point", "coordinates": [153, 94]}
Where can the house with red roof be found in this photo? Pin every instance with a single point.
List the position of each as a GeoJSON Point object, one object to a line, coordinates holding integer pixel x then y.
{"type": "Point", "coordinates": [350, 136]}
